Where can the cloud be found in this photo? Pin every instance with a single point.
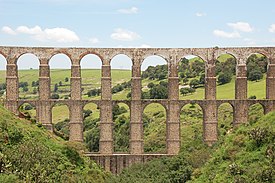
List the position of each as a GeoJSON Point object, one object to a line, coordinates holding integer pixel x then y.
{"type": "Point", "coordinates": [220, 33]}
{"type": "Point", "coordinates": [124, 35]}
{"type": "Point", "coordinates": [241, 26]}
{"type": "Point", "coordinates": [94, 40]}
{"type": "Point", "coordinates": [8, 30]}
{"type": "Point", "coordinates": [272, 28]}
{"type": "Point", "coordinates": [132, 10]}
{"type": "Point", "coordinates": [57, 34]}
{"type": "Point", "coordinates": [200, 14]}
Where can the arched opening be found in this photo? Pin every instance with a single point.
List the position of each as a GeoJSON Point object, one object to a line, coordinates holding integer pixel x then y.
{"type": "Point", "coordinates": [91, 77]}
{"type": "Point", "coordinates": [121, 66]}
{"type": "Point", "coordinates": [255, 112]}
{"type": "Point", "coordinates": [91, 123]}
{"type": "Point", "coordinates": [121, 118]}
{"type": "Point", "coordinates": [191, 72]}
{"type": "Point", "coordinates": [256, 76]}
{"type": "Point", "coordinates": [28, 74]}
{"type": "Point", "coordinates": [154, 78]}
{"type": "Point", "coordinates": [60, 120]}
{"type": "Point", "coordinates": [154, 126]}
{"type": "Point", "coordinates": [191, 120]}
{"type": "Point", "coordinates": [226, 76]}
{"type": "Point", "coordinates": [60, 66]}
{"type": "Point", "coordinates": [28, 111]}
{"type": "Point", "coordinates": [225, 119]}
{"type": "Point", "coordinates": [3, 63]}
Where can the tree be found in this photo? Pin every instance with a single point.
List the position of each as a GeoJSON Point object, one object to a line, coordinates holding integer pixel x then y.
{"type": "Point", "coordinates": [34, 91]}
{"type": "Point", "coordinates": [60, 83]}
{"type": "Point", "coordinates": [255, 75]}
{"type": "Point", "coordinates": [87, 113]}
{"type": "Point", "coordinates": [25, 89]}
{"type": "Point", "coordinates": [55, 87]}
{"type": "Point", "coordinates": [194, 83]}
{"type": "Point", "coordinates": [55, 96]}
{"type": "Point", "coordinates": [185, 91]}
{"type": "Point", "coordinates": [66, 79]}
{"type": "Point", "coordinates": [224, 77]}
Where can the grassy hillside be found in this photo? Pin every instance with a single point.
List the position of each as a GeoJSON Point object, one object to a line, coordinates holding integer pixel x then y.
{"type": "Point", "coordinates": [29, 153]}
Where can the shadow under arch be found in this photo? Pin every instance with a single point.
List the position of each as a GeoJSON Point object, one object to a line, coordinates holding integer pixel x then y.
{"type": "Point", "coordinates": [225, 119]}
{"type": "Point", "coordinates": [255, 112]}
{"type": "Point", "coordinates": [225, 72]}
{"type": "Point", "coordinates": [121, 67]}
{"type": "Point", "coordinates": [60, 73]}
{"type": "Point", "coordinates": [91, 126]}
{"type": "Point", "coordinates": [28, 76]}
{"type": "Point", "coordinates": [191, 123]}
{"type": "Point", "coordinates": [121, 130]}
{"type": "Point", "coordinates": [191, 73]}
{"type": "Point", "coordinates": [60, 118]}
{"type": "Point", "coordinates": [154, 119]}
{"type": "Point", "coordinates": [3, 65]}
{"type": "Point", "coordinates": [27, 111]}
{"type": "Point", "coordinates": [256, 65]}
{"type": "Point", "coordinates": [91, 76]}
{"type": "Point", "coordinates": [154, 75]}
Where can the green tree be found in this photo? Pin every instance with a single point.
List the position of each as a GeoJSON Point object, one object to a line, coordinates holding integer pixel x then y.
{"type": "Point", "coordinates": [66, 79]}
{"type": "Point", "coordinates": [194, 83]}
{"type": "Point", "coordinates": [255, 75]}
{"type": "Point", "coordinates": [224, 77]}
{"type": "Point", "coordinates": [55, 87]}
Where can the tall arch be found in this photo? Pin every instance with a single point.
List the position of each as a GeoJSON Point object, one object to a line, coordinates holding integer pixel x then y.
{"type": "Point", "coordinates": [27, 111]}
{"type": "Point", "coordinates": [60, 115]}
{"type": "Point", "coordinates": [225, 119]}
{"type": "Point", "coordinates": [154, 78]}
{"type": "Point", "coordinates": [3, 63]}
{"type": "Point", "coordinates": [28, 74]}
{"type": "Point", "coordinates": [121, 118]}
{"type": "Point", "coordinates": [256, 75]}
{"type": "Point", "coordinates": [91, 77]}
{"type": "Point", "coordinates": [226, 76]}
{"type": "Point", "coordinates": [155, 115]}
{"type": "Point", "coordinates": [191, 72]}
{"type": "Point", "coordinates": [91, 126]}
{"type": "Point", "coordinates": [60, 72]}
{"type": "Point", "coordinates": [121, 66]}
{"type": "Point", "coordinates": [191, 123]}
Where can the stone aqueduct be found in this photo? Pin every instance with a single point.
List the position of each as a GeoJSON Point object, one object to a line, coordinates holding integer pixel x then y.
{"type": "Point", "coordinates": [106, 156]}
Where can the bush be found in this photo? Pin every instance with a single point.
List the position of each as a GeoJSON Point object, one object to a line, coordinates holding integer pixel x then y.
{"type": "Point", "coordinates": [224, 77]}
{"type": "Point", "coordinates": [55, 96]}
{"type": "Point", "coordinates": [255, 75]}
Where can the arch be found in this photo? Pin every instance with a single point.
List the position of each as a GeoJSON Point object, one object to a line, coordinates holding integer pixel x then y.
{"type": "Point", "coordinates": [91, 76]}
{"type": "Point", "coordinates": [191, 120]}
{"type": "Point", "coordinates": [121, 66]}
{"type": "Point", "coordinates": [121, 130]}
{"type": "Point", "coordinates": [154, 74]}
{"type": "Point", "coordinates": [60, 72]}
{"type": "Point", "coordinates": [225, 118]}
{"type": "Point", "coordinates": [255, 111]}
{"type": "Point", "coordinates": [3, 64]}
{"type": "Point", "coordinates": [154, 139]}
{"type": "Point", "coordinates": [28, 76]}
{"type": "Point", "coordinates": [226, 66]}
{"type": "Point", "coordinates": [191, 73]}
{"type": "Point", "coordinates": [91, 126]}
{"type": "Point", "coordinates": [60, 52]}
{"type": "Point", "coordinates": [91, 53]}
{"type": "Point", "coordinates": [256, 76]}
{"type": "Point", "coordinates": [60, 115]}
{"type": "Point", "coordinates": [27, 111]}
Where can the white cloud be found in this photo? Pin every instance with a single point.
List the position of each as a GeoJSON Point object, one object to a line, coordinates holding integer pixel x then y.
{"type": "Point", "coordinates": [94, 40]}
{"type": "Point", "coordinates": [241, 26]}
{"type": "Point", "coordinates": [220, 33]}
{"type": "Point", "coordinates": [200, 14]}
{"type": "Point", "coordinates": [124, 35]}
{"type": "Point", "coordinates": [57, 34]}
{"type": "Point", "coordinates": [8, 30]}
{"type": "Point", "coordinates": [132, 10]}
{"type": "Point", "coordinates": [145, 46]}
{"type": "Point", "coordinates": [272, 28]}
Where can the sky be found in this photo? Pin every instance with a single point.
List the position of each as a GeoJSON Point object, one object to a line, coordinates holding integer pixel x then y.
{"type": "Point", "coordinates": [137, 23]}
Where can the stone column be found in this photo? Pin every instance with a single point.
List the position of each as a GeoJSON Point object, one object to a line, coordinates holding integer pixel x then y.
{"type": "Point", "coordinates": [76, 116]}
{"type": "Point", "coordinates": [136, 125]}
{"type": "Point", "coordinates": [12, 93]}
{"type": "Point", "coordinates": [106, 123]}
{"type": "Point", "coordinates": [210, 123]}
{"type": "Point", "coordinates": [44, 106]}
{"type": "Point", "coordinates": [173, 113]}
{"type": "Point", "coordinates": [241, 107]}
{"type": "Point", "coordinates": [270, 82]}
